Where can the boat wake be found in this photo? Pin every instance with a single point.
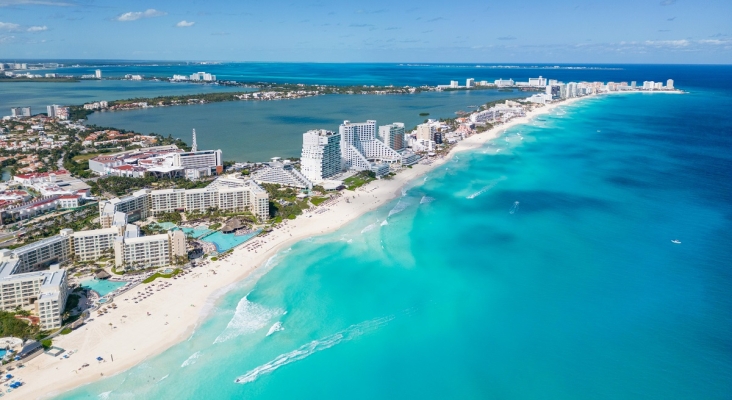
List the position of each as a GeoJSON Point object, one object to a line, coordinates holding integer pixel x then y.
{"type": "Point", "coordinates": [189, 361]}
{"type": "Point", "coordinates": [249, 317]}
{"type": "Point", "coordinates": [313, 347]}
{"type": "Point", "coordinates": [514, 208]}
{"type": "Point", "coordinates": [486, 188]}
{"type": "Point", "coordinates": [163, 378]}
{"type": "Point", "coordinates": [275, 328]}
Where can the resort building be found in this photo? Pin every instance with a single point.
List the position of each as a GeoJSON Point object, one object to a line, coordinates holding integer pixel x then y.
{"type": "Point", "coordinates": [41, 254]}
{"type": "Point", "coordinates": [226, 194]}
{"type": "Point", "coordinates": [281, 173]}
{"type": "Point", "coordinates": [45, 290]}
{"type": "Point", "coordinates": [94, 244]}
{"type": "Point", "coordinates": [161, 161]}
{"type": "Point", "coordinates": [393, 135]}
{"type": "Point", "coordinates": [321, 155]}
{"type": "Point", "coordinates": [149, 251]}
{"type": "Point", "coordinates": [361, 150]}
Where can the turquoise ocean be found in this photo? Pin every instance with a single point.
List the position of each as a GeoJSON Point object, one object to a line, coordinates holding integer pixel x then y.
{"type": "Point", "coordinates": [539, 266]}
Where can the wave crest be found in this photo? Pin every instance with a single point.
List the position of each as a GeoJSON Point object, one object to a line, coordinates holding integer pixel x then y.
{"type": "Point", "coordinates": [308, 349]}
{"type": "Point", "coordinates": [249, 317]}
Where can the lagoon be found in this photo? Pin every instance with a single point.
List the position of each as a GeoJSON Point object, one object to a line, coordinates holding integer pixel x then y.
{"type": "Point", "coordinates": [259, 130]}
{"type": "Point", "coordinates": [38, 95]}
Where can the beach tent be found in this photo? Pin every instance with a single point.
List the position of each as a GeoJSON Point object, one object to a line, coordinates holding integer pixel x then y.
{"type": "Point", "coordinates": [8, 376]}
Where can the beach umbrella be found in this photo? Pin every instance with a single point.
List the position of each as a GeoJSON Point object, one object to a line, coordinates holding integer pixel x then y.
{"type": "Point", "coordinates": [99, 359]}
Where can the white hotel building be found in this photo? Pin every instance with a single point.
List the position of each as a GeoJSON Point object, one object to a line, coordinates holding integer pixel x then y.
{"type": "Point", "coordinates": [45, 290]}
{"type": "Point", "coordinates": [321, 155]}
{"type": "Point", "coordinates": [225, 193]}
{"type": "Point", "coordinates": [361, 150]}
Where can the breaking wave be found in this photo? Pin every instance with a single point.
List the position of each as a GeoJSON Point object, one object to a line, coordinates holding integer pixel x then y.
{"type": "Point", "coordinates": [163, 378]}
{"type": "Point", "coordinates": [190, 360]}
{"type": "Point", "coordinates": [276, 328]}
{"type": "Point", "coordinates": [399, 207]}
{"type": "Point", "coordinates": [370, 227]}
{"type": "Point", "coordinates": [104, 395]}
{"type": "Point", "coordinates": [308, 349]}
{"type": "Point", "coordinates": [426, 200]}
{"type": "Point", "coordinates": [249, 317]}
{"type": "Point", "coordinates": [385, 223]}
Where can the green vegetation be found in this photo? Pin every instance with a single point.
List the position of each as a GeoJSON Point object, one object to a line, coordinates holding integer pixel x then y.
{"type": "Point", "coordinates": [172, 216]}
{"type": "Point", "coordinates": [214, 226]}
{"type": "Point", "coordinates": [214, 258]}
{"type": "Point", "coordinates": [7, 79]}
{"type": "Point", "coordinates": [122, 185]}
{"type": "Point", "coordinates": [46, 343]}
{"type": "Point", "coordinates": [161, 275]}
{"type": "Point", "coordinates": [11, 326]}
{"type": "Point", "coordinates": [358, 180]}
{"type": "Point", "coordinates": [66, 331]}
{"type": "Point", "coordinates": [318, 200]}
{"type": "Point", "coordinates": [283, 202]}
{"type": "Point", "coordinates": [72, 302]}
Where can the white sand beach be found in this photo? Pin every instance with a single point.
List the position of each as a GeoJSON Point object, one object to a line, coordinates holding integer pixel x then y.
{"type": "Point", "coordinates": [136, 331]}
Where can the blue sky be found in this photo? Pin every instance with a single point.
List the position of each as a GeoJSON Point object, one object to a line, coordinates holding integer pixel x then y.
{"type": "Point", "coordinates": [598, 31]}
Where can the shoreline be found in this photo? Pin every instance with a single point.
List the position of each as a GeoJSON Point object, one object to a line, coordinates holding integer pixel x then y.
{"type": "Point", "coordinates": [177, 310]}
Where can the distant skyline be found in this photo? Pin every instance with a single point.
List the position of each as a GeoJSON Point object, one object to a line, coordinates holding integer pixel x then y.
{"type": "Point", "coordinates": [641, 31]}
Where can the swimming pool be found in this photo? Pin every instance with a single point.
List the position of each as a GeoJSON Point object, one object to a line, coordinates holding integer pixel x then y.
{"type": "Point", "coordinates": [227, 241]}
{"type": "Point", "coordinates": [197, 232]}
{"type": "Point", "coordinates": [3, 352]}
{"type": "Point", "coordinates": [166, 225]}
{"type": "Point", "coordinates": [103, 287]}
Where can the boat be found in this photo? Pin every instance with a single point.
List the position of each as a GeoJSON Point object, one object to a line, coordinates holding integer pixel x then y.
{"type": "Point", "coordinates": [676, 241]}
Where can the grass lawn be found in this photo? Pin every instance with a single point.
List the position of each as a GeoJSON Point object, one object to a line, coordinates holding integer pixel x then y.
{"type": "Point", "coordinates": [318, 200]}
{"type": "Point", "coordinates": [159, 275]}
{"type": "Point", "coordinates": [81, 158]}
{"type": "Point", "coordinates": [359, 180]}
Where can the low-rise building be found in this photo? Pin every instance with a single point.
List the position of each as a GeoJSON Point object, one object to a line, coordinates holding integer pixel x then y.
{"type": "Point", "coordinates": [281, 173]}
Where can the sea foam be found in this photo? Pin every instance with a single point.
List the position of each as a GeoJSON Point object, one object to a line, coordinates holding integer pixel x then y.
{"type": "Point", "coordinates": [249, 317]}
{"type": "Point", "coordinates": [308, 349]}
{"type": "Point", "coordinates": [275, 328]}
{"type": "Point", "coordinates": [189, 361]}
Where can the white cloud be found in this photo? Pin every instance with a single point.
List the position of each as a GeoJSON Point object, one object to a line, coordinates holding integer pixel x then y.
{"type": "Point", "coordinates": [37, 28]}
{"type": "Point", "coordinates": [668, 43]}
{"type": "Point", "coordinates": [9, 26]}
{"type": "Point", "coordinates": [135, 15]}
{"type": "Point", "coordinates": [184, 24]}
